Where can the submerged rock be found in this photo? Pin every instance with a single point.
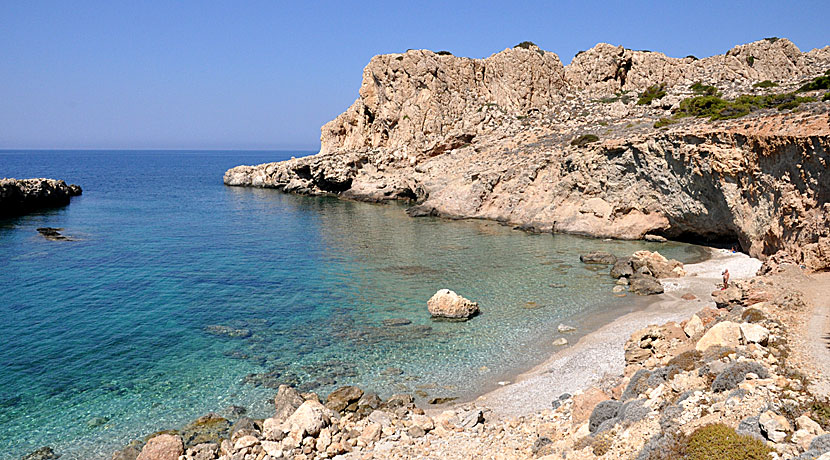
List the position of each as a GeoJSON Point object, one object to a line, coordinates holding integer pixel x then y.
{"type": "Point", "coordinates": [44, 453]}
{"type": "Point", "coordinates": [447, 304]}
{"type": "Point", "coordinates": [598, 257]}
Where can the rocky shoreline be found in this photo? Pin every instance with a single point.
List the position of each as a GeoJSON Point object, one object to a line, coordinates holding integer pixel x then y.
{"type": "Point", "coordinates": [22, 196]}
{"type": "Point", "coordinates": [619, 143]}
{"type": "Point", "coordinates": [727, 375]}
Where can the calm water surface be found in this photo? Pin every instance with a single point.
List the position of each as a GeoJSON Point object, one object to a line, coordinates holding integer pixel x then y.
{"type": "Point", "coordinates": [123, 331]}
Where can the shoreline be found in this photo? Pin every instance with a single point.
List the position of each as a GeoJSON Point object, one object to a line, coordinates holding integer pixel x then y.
{"type": "Point", "coordinates": [598, 354]}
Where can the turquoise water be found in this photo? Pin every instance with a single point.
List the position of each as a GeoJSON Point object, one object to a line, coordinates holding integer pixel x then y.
{"type": "Point", "coordinates": [112, 336]}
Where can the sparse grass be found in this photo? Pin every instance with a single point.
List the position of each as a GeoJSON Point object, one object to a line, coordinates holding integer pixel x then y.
{"type": "Point", "coordinates": [816, 84]}
{"type": "Point", "coordinates": [662, 122]}
{"type": "Point", "coordinates": [820, 411]}
{"type": "Point", "coordinates": [765, 84]}
{"type": "Point", "coordinates": [706, 90]}
{"type": "Point", "coordinates": [584, 140]}
{"type": "Point", "coordinates": [722, 442]}
{"type": "Point", "coordinates": [652, 93]}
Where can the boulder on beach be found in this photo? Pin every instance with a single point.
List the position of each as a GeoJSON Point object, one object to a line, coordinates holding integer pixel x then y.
{"type": "Point", "coordinates": [598, 257]}
{"type": "Point", "coordinates": [645, 285]}
{"type": "Point", "coordinates": [447, 304]}
{"type": "Point", "coordinates": [658, 265]}
{"type": "Point", "coordinates": [622, 268]}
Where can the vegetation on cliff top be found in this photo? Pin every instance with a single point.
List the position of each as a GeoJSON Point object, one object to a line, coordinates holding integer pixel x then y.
{"type": "Point", "coordinates": [528, 45]}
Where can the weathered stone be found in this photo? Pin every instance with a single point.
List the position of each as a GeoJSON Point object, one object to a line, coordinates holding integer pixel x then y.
{"type": "Point", "coordinates": [598, 257]}
{"type": "Point", "coordinates": [309, 419]}
{"type": "Point", "coordinates": [724, 298]}
{"type": "Point", "coordinates": [694, 327]}
{"type": "Point", "coordinates": [584, 403]}
{"type": "Point", "coordinates": [622, 268]}
{"type": "Point", "coordinates": [723, 334]}
{"type": "Point", "coordinates": [775, 427]}
{"type": "Point", "coordinates": [162, 447]}
{"type": "Point", "coordinates": [342, 397]}
{"type": "Point", "coordinates": [22, 196]}
{"type": "Point", "coordinates": [754, 333]}
{"type": "Point", "coordinates": [286, 402]}
{"type": "Point", "coordinates": [447, 304]}
{"type": "Point", "coordinates": [645, 285]}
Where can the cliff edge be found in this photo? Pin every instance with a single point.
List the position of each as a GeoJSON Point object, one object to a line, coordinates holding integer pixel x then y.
{"type": "Point", "coordinates": [619, 143]}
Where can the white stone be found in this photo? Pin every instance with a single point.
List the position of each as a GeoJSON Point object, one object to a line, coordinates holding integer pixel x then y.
{"type": "Point", "coordinates": [754, 333]}
{"type": "Point", "coordinates": [724, 334]}
{"type": "Point", "coordinates": [561, 341]}
{"type": "Point", "coordinates": [694, 326]}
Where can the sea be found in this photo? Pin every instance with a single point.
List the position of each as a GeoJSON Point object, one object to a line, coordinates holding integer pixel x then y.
{"type": "Point", "coordinates": [175, 295]}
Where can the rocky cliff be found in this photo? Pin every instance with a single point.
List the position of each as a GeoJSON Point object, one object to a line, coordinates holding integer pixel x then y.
{"type": "Point", "coordinates": [22, 196]}
{"type": "Point", "coordinates": [522, 139]}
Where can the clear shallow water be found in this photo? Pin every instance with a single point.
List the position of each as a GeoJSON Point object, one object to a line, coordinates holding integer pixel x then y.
{"type": "Point", "coordinates": [108, 338]}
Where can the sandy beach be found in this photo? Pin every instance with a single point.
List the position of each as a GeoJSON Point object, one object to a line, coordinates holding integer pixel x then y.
{"type": "Point", "coordinates": [601, 353]}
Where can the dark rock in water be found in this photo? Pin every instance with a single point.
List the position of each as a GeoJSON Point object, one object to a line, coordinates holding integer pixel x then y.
{"type": "Point", "coordinates": [267, 379]}
{"type": "Point", "coordinates": [645, 285]}
{"type": "Point", "coordinates": [343, 397]}
{"type": "Point", "coordinates": [598, 257]}
{"type": "Point", "coordinates": [622, 267]}
{"type": "Point", "coordinates": [44, 453]}
{"type": "Point", "coordinates": [413, 270]}
{"type": "Point", "coordinates": [396, 322]}
{"type": "Point", "coordinates": [95, 422]}
{"type": "Point", "coordinates": [442, 400]}
{"type": "Point", "coordinates": [234, 411]}
{"type": "Point", "coordinates": [228, 331]}
{"type": "Point", "coordinates": [205, 429]}
{"type": "Point", "coordinates": [53, 234]}
{"type": "Point", "coordinates": [286, 402]}
{"type": "Point", "coordinates": [18, 197]}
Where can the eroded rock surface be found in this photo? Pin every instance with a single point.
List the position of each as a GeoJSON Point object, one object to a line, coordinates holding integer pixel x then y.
{"type": "Point", "coordinates": [520, 139]}
{"type": "Point", "coordinates": [22, 196]}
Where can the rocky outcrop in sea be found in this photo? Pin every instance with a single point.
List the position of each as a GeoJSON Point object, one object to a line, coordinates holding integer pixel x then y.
{"type": "Point", "coordinates": [22, 196]}
{"type": "Point", "coordinates": [619, 143]}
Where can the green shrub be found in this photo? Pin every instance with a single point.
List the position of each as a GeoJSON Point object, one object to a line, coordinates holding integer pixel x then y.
{"type": "Point", "coordinates": [444, 53]}
{"type": "Point", "coordinates": [765, 84]}
{"type": "Point", "coordinates": [816, 83]}
{"type": "Point", "coordinates": [826, 97]}
{"type": "Point", "coordinates": [716, 108]}
{"type": "Point", "coordinates": [652, 93]}
{"type": "Point", "coordinates": [707, 90]}
{"type": "Point", "coordinates": [772, 39]}
{"type": "Point", "coordinates": [528, 45]}
{"type": "Point", "coordinates": [692, 56]}
{"type": "Point", "coordinates": [718, 441]}
{"type": "Point", "coordinates": [750, 60]}
{"type": "Point", "coordinates": [584, 140]}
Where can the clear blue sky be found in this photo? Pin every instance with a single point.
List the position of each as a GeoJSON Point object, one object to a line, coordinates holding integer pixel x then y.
{"type": "Point", "coordinates": [268, 74]}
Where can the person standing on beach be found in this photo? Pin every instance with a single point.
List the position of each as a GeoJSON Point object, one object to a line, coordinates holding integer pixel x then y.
{"type": "Point", "coordinates": [725, 278]}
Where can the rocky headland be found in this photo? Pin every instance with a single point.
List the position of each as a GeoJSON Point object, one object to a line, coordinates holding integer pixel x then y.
{"type": "Point", "coordinates": [22, 196]}
{"type": "Point", "coordinates": [619, 143]}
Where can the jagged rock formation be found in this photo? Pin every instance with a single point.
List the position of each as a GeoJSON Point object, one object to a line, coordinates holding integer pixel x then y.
{"type": "Point", "coordinates": [18, 197]}
{"type": "Point", "coordinates": [494, 138]}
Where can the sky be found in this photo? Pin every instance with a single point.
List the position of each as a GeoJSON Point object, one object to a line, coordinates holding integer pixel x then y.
{"type": "Point", "coordinates": [180, 74]}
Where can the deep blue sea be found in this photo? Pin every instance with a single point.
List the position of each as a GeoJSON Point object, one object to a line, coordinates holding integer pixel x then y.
{"type": "Point", "coordinates": [122, 331]}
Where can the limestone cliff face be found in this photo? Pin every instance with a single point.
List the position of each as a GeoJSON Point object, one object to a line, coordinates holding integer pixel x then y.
{"type": "Point", "coordinates": [423, 102]}
{"type": "Point", "coordinates": [606, 69]}
{"type": "Point", "coordinates": [492, 138]}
